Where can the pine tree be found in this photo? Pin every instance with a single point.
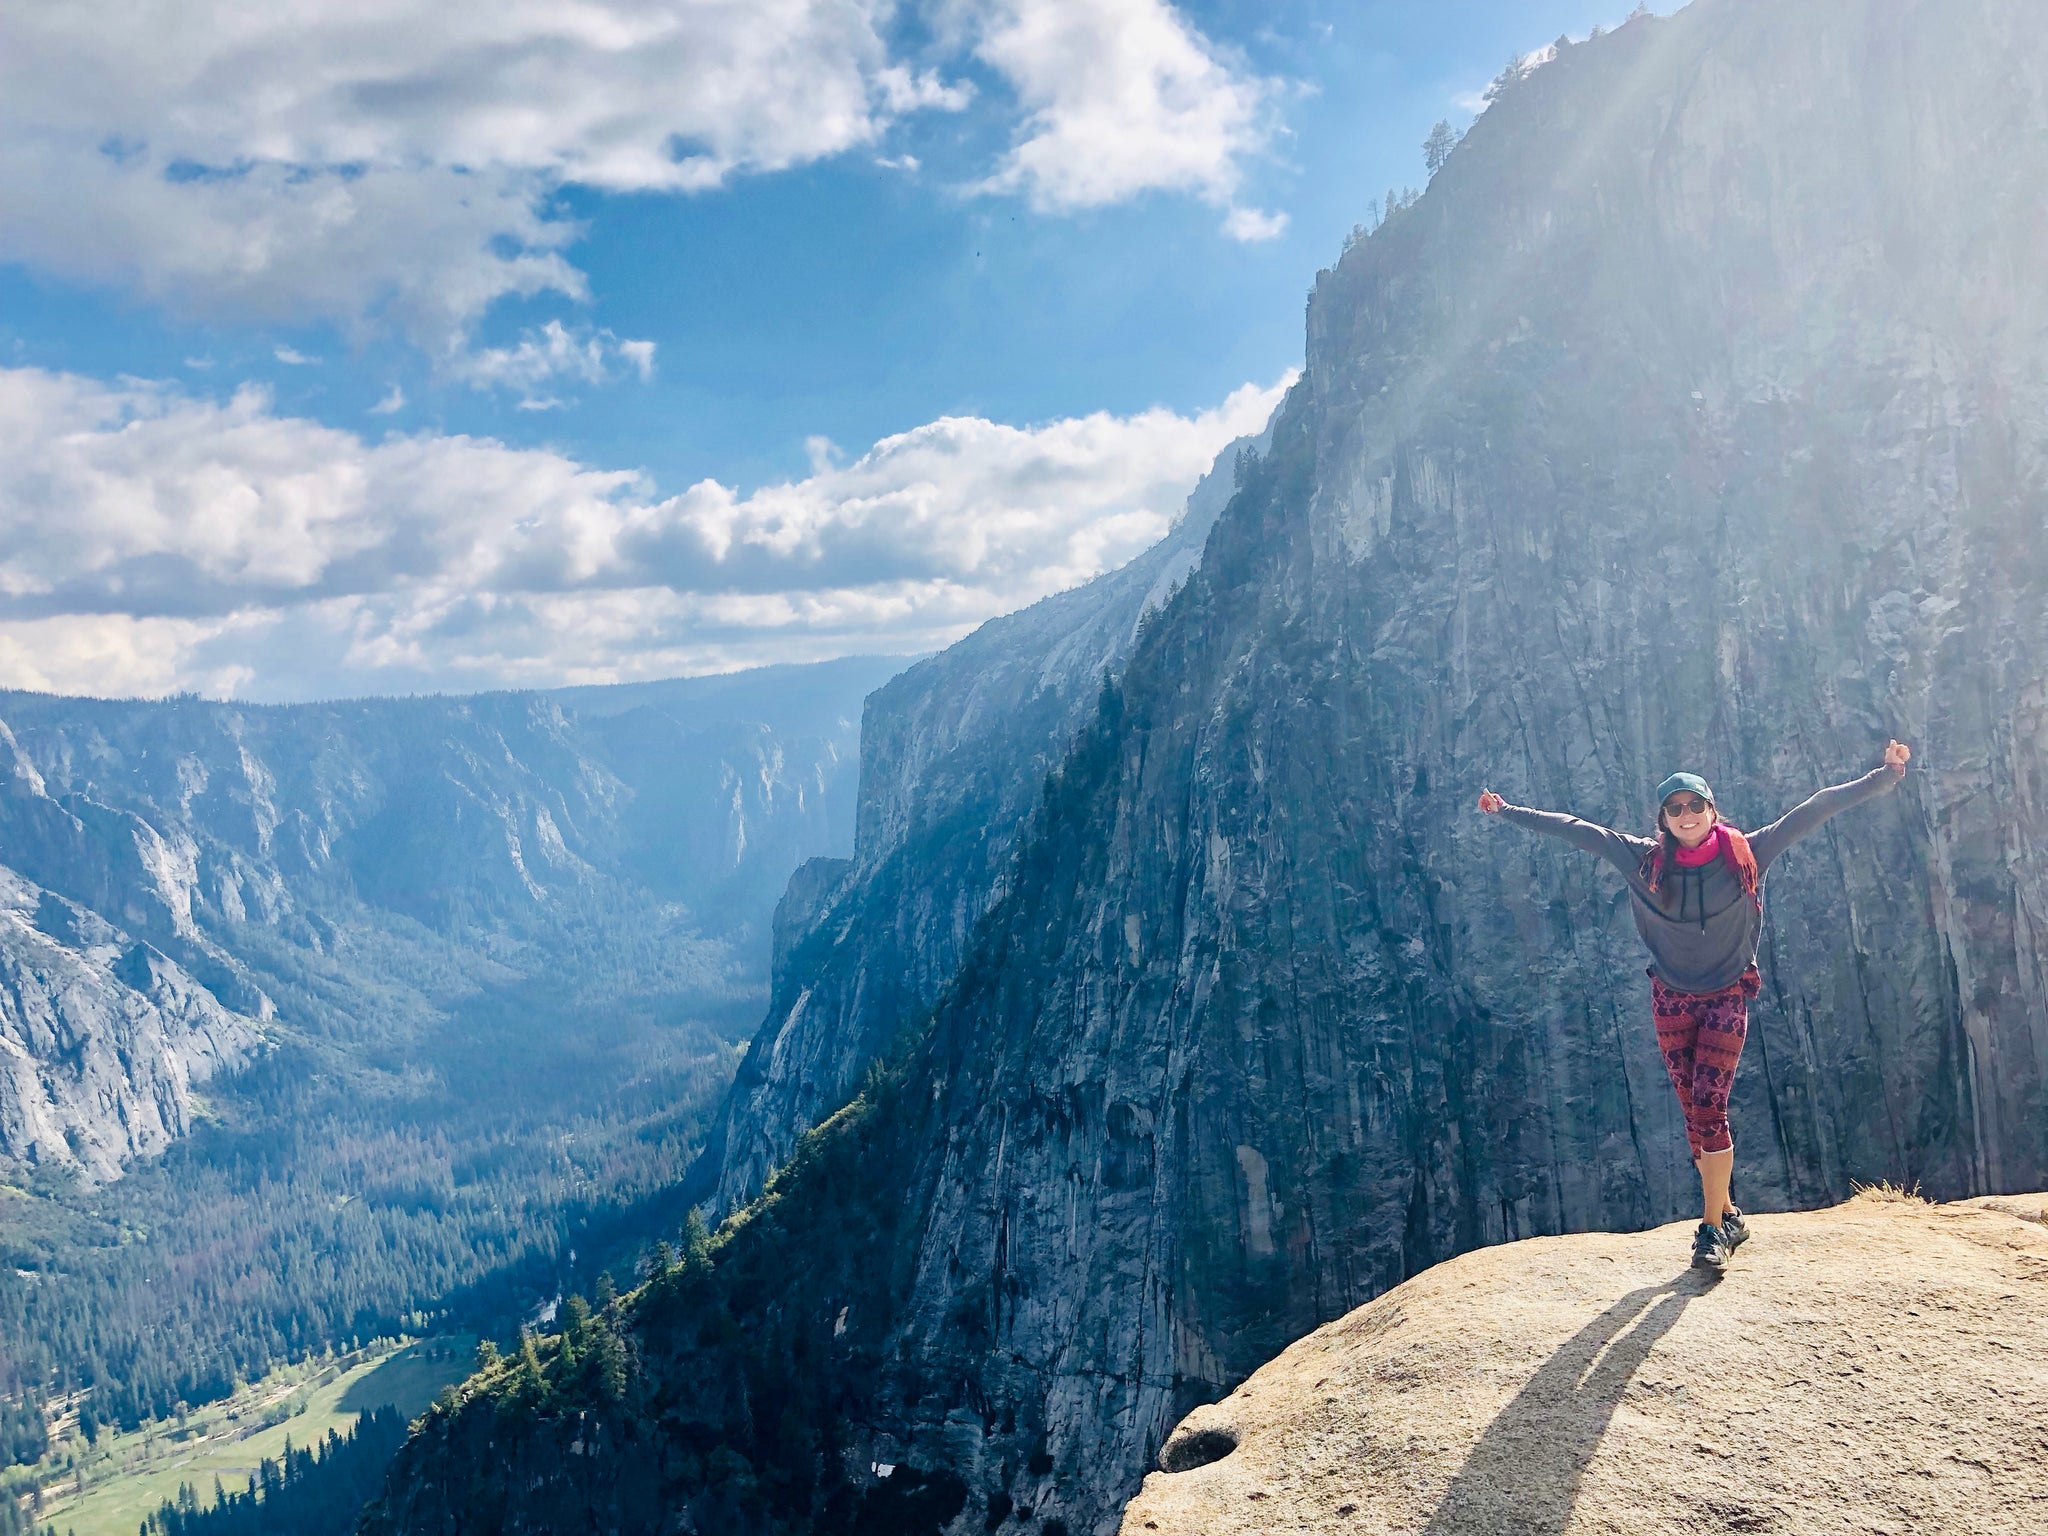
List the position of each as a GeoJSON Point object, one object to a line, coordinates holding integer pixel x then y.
{"type": "Point", "coordinates": [696, 1241]}
{"type": "Point", "coordinates": [532, 1380]}
{"type": "Point", "coordinates": [609, 1351]}
{"type": "Point", "coordinates": [1507, 77]}
{"type": "Point", "coordinates": [1436, 149]}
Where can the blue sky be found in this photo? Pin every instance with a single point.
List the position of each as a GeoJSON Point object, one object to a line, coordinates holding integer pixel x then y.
{"type": "Point", "coordinates": [378, 357]}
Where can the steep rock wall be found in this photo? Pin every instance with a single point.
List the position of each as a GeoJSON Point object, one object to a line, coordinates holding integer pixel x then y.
{"type": "Point", "coordinates": [1695, 415]}
{"type": "Point", "coordinates": [953, 753]}
{"type": "Point", "coordinates": [102, 1038]}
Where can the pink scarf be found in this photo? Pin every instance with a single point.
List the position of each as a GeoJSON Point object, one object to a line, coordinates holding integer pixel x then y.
{"type": "Point", "coordinates": [1711, 848]}
{"type": "Point", "coordinates": [1725, 843]}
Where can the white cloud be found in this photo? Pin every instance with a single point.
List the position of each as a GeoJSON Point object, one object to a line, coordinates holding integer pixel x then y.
{"type": "Point", "coordinates": [328, 161]}
{"type": "Point", "coordinates": [1123, 97]}
{"type": "Point", "coordinates": [152, 539]}
{"type": "Point", "coordinates": [638, 355]}
{"type": "Point", "coordinates": [554, 352]}
{"type": "Point", "coordinates": [396, 163]}
{"type": "Point", "coordinates": [425, 249]}
{"type": "Point", "coordinates": [113, 655]}
{"type": "Point", "coordinates": [292, 357]}
{"type": "Point", "coordinates": [632, 95]}
{"type": "Point", "coordinates": [1251, 224]}
{"type": "Point", "coordinates": [392, 403]}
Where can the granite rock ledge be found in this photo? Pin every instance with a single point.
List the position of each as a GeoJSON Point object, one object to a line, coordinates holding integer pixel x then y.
{"type": "Point", "coordinates": [1871, 1367]}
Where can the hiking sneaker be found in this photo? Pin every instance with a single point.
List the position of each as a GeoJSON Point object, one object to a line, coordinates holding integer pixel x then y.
{"type": "Point", "coordinates": [1709, 1248]}
{"type": "Point", "coordinates": [1734, 1230]}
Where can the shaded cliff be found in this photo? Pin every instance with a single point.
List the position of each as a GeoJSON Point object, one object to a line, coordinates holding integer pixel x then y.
{"type": "Point", "coordinates": [1697, 414]}
{"type": "Point", "coordinates": [953, 753]}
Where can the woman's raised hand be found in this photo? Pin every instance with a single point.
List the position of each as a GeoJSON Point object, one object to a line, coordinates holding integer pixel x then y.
{"type": "Point", "coordinates": [1491, 803]}
{"type": "Point", "coordinates": [1895, 755]}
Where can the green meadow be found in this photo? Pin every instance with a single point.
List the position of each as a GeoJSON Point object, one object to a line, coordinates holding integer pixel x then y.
{"type": "Point", "coordinates": [126, 1477]}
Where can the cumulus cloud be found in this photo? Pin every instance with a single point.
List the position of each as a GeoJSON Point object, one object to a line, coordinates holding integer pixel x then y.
{"type": "Point", "coordinates": [398, 165]}
{"type": "Point", "coordinates": [552, 353]}
{"type": "Point", "coordinates": [112, 654]}
{"type": "Point", "coordinates": [1251, 224]}
{"type": "Point", "coordinates": [1123, 97]}
{"type": "Point", "coordinates": [320, 162]}
{"type": "Point", "coordinates": [424, 249]}
{"type": "Point", "coordinates": [151, 539]}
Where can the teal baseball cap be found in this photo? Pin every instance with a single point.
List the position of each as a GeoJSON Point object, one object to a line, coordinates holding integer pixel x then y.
{"type": "Point", "coordinates": [1678, 781]}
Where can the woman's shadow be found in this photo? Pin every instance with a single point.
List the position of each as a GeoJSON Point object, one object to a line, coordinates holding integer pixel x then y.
{"type": "Point", "coordinates": [1522, 1478]}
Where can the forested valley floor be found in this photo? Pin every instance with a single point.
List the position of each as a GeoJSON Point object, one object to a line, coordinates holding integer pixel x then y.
{"type": "Point", "coordinates": [457, 1182]}
{"type": "Point", "coordinates": [454, 984]}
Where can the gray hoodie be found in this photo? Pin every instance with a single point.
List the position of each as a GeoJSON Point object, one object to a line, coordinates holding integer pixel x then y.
{"type": "Point", "coordinates": [1702, 929]}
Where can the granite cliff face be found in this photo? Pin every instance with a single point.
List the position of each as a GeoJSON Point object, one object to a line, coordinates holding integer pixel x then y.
{"type": "Point", "coordinates": [102, 1038]}
{"type": "Point", "coordinates": [1697, 414]}
{"type": "Point", "coordinates": [169, 869]}
{"type": "Point", "coordinates": [953, 754]}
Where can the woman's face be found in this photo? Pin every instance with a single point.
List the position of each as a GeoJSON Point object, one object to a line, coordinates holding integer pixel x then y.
{"type": "Point", "coordinates": [1689, 818]}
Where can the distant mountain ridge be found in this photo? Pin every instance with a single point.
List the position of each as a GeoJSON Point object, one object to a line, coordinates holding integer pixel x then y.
{"type": "Point", "coordinates": [296, 863]}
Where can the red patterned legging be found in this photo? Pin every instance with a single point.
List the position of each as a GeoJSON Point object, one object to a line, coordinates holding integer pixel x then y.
{"type": "Point", "coordinates": [1701, 1035]}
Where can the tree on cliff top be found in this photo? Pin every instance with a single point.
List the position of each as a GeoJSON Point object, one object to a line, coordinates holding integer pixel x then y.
{"type": "Point", "coordinates": [1436, 149]}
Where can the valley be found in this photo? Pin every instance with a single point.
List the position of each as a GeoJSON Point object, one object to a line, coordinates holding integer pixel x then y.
{"type": "Point", "coordinates": [109, 1487]}
{"type": "Point", "coordinates": [454, 1092]}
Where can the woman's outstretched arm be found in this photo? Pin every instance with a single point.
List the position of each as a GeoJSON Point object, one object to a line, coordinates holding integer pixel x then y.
{"type": "Point", "coordinates": [1625, 853]}
{"type": "Point", "coordinates": [1807, 816]}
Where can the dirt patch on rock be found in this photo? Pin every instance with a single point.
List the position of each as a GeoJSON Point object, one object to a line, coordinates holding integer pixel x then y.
{"type": "Point", "coordinates": [1878, 1367]}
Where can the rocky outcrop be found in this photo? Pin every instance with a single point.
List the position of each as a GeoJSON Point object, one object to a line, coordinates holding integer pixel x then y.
{"type": "Point", "coordinates": [1694, 415]}
{"type": "Point", "coordinates": [188, 869]}
{"type": "Point", "coordinates": [1862, 1368]}
{"type": "Point", "coordinates": [953, 754]}
{"type": "Point", "coordinates": [102, 1038]}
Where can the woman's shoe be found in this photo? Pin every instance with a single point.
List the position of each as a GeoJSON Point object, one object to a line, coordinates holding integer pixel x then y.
{"type": "Point", "coordinates": [1709, 1248]}
{"type": "Point", "coordinates": [1734, 1230]}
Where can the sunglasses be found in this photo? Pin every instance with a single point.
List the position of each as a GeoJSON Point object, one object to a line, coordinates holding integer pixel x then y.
{"type": "Point", "coordinates": [1688, 805]}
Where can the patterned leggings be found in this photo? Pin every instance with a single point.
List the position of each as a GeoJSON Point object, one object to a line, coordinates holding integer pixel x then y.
{"type": "Point", "coordinates": [1701, 1035]}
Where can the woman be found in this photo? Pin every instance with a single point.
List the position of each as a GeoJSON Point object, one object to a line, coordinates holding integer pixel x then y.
{"type": "Point", "coordinates": [1698, 902]}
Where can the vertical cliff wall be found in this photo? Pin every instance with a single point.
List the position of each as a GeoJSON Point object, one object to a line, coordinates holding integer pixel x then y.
{"type": "Point", "coordinates": [1696, 415]}
{"type": "Point", "coordinates": [953, 755]}
{"type": "Point", "coordinates": [102, 1038]}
